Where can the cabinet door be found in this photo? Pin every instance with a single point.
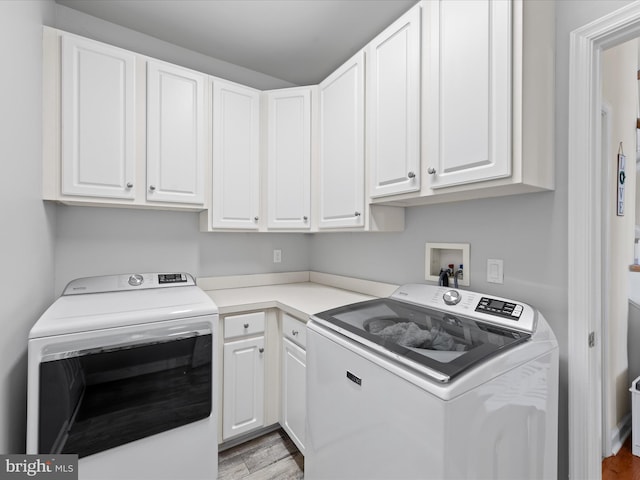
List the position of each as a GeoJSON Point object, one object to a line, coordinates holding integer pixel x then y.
{"type": "Point", "coordinates": [393, 107]}
{"type": "Point", "coordinates": [236, 161]}
{"type": "Point", "coordinates": [341, 149]}
{"type": "Point", "coordinates": [98, 119]}
{"type": "Point", "coordinates": [469, 83]}
{"type": "Point", "coordinates": [294, 383]}
{"type": "Point", "coordinates": [289, 158]}
{"type": "Point", "coordinates": [243, 386]}
{"type": "Point", "coordinates": [176, 134]}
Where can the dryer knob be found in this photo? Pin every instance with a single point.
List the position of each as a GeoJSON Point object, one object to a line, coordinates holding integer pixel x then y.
{"type": "Point", "coordinates": [452, 297]}
{"type": "Point", "coordinates": [136, 280]}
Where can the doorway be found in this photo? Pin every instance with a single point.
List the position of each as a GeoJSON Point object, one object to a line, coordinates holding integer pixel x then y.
{"type": "Point", "coordinates": [587, 190]}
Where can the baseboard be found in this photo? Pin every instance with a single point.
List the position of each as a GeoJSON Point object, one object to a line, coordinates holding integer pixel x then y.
{"type": "Point", "coordinates": [620, 434]}
{"type": "Point", "coordinates": [247, 436]}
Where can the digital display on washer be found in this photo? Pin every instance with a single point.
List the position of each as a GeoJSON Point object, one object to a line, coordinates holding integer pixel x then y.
{"type": "Point", "coordinates": [493, 306]}
{"type": "Point", "coordinates": [440, 341]}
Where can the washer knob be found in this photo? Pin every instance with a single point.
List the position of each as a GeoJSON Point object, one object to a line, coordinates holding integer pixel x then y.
{"type": "Point", "coordinates": [452, 297]}
{"type": "Point", "coordinates": [136, 280]}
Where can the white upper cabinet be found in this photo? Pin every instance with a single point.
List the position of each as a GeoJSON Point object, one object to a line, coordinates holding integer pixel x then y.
{"type": "Point", "coordinates": [120, 128]}
{"type": "Point", "coordinates": [289, 158]}
{"type": "Point", "coordinates": [469, 91]}
{"type": "Point", "coordinates": [176, 134]}
{"type": "Point", "coordinates": [341, 146]}
{"type": "Point", "coordinates": [98, 119]}
{"type": "Point", "coordinates": [487, 102]}
{"type": "Point", "coordinates": [393, 107]}
{"type": "Point", "coordinates": [236, 156]}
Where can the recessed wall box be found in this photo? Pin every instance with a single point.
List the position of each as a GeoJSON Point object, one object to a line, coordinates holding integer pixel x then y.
{"type": "Point", "coordinates": [440, 255]}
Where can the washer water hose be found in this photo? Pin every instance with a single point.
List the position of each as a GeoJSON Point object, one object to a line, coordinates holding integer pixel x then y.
{"type": "Point", "coordinates": [444, 278]}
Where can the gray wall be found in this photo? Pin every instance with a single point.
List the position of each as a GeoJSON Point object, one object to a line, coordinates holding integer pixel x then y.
{"type": "Point", "coordinates": [101, 241]}
{"type": "Point", "coordinates": [528, 232]}
{"type": "Point", "coordinates": [26, 242]}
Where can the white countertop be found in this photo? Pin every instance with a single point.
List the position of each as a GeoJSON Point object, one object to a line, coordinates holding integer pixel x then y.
{"type": "Point", "coordinates": [300, 299]}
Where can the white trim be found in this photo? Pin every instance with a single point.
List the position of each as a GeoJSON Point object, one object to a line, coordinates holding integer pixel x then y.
{"type": "Point", "coordinates": [620, 434]}
{"type": "Point", "coordinates": [605, 140]}
{"type": "Point", "coordinates": [585, 193]}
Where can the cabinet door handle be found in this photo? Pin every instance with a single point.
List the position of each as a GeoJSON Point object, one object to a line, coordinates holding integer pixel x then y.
{"type": "Point", "coordinates": [411, 175]}
{"type": "Point", "coordinates": [305, 218]}
{"type": "Point", "coordinates": [357, 214]}
{"type": "Point", "coordinates": [294, 332]}
{"type": "Point", "coordinates": [261, 350]}
{"type": "Point", "coordinates": [246, 325]}
{"type": "Point", "coordinates": [129, 185]}
{"type": "Point", "coordinates": [255, 219]}
{"type": "Point", "coordinates": [152, 187]}
{"type": "Point", "coordinates": [431, 171]}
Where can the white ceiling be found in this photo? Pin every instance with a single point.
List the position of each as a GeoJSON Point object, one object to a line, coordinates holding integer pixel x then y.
{"type": "Point", "coordinates": [300, 41]}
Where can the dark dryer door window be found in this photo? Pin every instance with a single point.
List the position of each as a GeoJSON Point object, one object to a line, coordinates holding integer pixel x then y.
{"type": "Point", "coordinates": [96, 399]}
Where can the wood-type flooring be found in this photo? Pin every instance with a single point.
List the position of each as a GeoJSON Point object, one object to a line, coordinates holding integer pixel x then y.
{"type": "Point", "coordinates": [623, 466]}
{"type": "Point", "coordinates": [272, 456]}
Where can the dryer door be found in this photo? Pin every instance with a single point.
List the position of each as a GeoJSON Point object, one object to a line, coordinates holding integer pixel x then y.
{"type": "Point", "coordinates": [98, 393]}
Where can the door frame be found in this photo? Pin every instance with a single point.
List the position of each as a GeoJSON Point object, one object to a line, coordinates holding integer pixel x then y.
{"type": "Point", "coordinates": [586, 193]}
{"type": "Point", "coordinates": [605, 145]}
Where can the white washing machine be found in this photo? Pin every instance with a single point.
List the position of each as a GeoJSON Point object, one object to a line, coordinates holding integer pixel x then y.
{"type": "Point", "coordinates": [431, 383]}
{"type": "Point", "coordinates": [121, 373]}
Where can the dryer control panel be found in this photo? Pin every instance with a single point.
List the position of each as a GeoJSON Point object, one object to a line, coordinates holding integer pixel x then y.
{"type": "Point", "coordinates": [125, 282]}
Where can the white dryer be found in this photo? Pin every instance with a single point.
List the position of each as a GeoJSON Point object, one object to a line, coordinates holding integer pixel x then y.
{"type": "Point", "coordinates": [122, 373]}
{"type": "Point", "coordinates": [431, 383]}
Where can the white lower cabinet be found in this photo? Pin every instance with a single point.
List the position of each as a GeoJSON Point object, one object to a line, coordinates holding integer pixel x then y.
{"type": "Point", "coordinates": [294, 377]}
{"type": "Point", "coordinates": [243, 374]}
{"type": "Point", "coordinates": [263, 375]}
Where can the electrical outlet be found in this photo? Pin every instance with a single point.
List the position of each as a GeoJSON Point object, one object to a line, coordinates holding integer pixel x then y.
{"type": "Point", "coordinates": [495, 270]}
{"type": "Point", "coordinates": [277, 256]}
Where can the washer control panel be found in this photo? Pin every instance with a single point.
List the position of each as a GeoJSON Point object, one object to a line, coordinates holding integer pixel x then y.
{"type": "Point", "coordinates": [452, 297]}
{"type": "Point", "coordinates": [494, 306]}
{"type": "Point", "coordinates": [476, 306]}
